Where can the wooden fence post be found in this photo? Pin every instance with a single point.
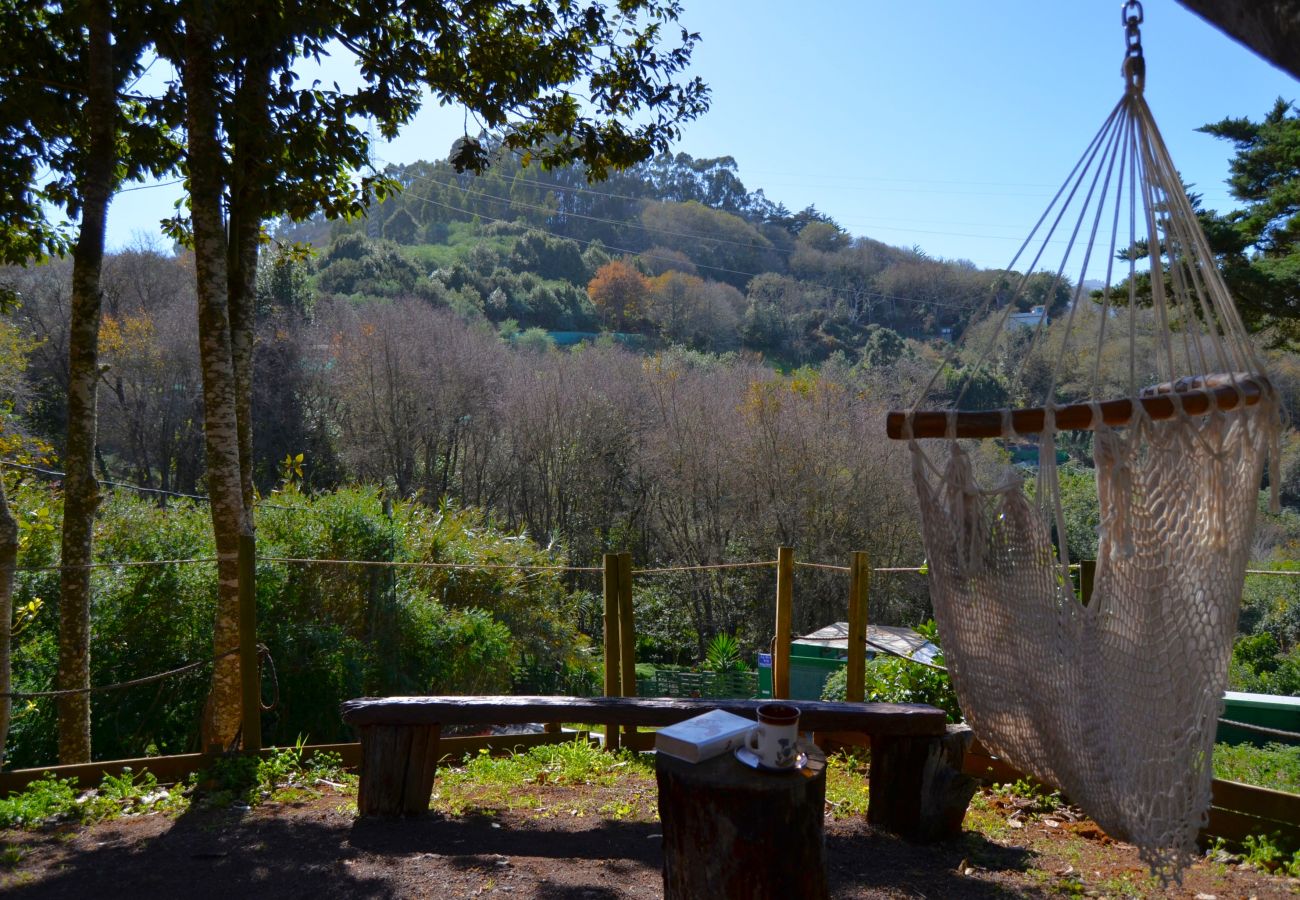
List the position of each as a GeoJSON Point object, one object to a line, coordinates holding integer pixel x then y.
{"type": "Point", "coordinates": [612, 683]}
{"type": "Point", "coordinates": [249, 676]}
{"type": "Point", "coordinates": [859, 591]}
{"type": "Point", "coordinates": [784, 619]}
{"type": "Point", "coordinates": [626, 630]}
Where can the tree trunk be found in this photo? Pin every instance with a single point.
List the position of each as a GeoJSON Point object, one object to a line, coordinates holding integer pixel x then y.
{"type": "Point", "coordinates": [8, 560]}
{"type": "Point", "coordinates": [80, 490]}
{"type": "Point", "coordinates": [221, 718]}
{"type": "Point", "coordinates": [246, 215]}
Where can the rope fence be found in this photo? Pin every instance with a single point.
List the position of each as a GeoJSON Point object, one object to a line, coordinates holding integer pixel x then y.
{"type": "Point", "coordinates": [263, 653]}
{"type": "Point", "coordinates": [412, 564]}
{"type": "Point", "coordinates": [663, 571]}
{"type": "Point", "coordinates": [121, 564]}
{"type": "Point", "coordinates": [408, 564]}
{"type": "Point", "coordinates": [826, 566]}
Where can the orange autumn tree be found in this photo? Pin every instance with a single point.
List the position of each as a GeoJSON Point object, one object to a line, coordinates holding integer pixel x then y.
{"type": "Point", "coordinates": [619, 292]}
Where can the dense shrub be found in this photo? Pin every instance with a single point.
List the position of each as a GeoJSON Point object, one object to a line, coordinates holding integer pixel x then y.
{"type": "Point", "coordinates": [890, 679]}
{"type": "Point", "coordinates": [333, 631]}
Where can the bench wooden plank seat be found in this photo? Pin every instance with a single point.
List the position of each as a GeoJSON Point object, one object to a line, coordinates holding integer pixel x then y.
{"type": "Point", "coordinates": [914, 748]}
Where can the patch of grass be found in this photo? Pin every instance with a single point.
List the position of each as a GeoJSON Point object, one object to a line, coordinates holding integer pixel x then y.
{"type": "Point", "coordinates": [983, 817]}
{"type": "Point", "coordinates": [574, 762]}
{"type": "Point", "coordinates": [504, 782]}
{"type": "Point", "coordinates": [846, 784]}
{"type": "Point", "coordinates": [1126, 884]}
{"type": "Point", "coordinates": [11, 856]}
{"type": "Point", "coordinates": [1275, 766]}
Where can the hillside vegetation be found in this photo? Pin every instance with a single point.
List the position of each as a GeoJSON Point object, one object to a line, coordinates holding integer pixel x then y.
{"type": "Point", "coordinates": [520, 368]}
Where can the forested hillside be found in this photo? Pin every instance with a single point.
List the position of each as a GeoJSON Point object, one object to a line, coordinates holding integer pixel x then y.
{"type": "Point", "coordinates": [710, 265]}
{"type": "Point", "coordinates": [522, 368]}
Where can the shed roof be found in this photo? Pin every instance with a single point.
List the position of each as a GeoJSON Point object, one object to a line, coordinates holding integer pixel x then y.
{"type": "Point", "coordinates": [893, 639]}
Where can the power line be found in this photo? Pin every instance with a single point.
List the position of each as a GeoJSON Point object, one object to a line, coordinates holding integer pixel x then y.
{"type": "Point", "coordinates": [629, 224]}
{"type": "Point", "coordinates": [147, 187]}
{"type": "Point", "coordinates": [850, 291]}
{"type": "Point", "coordinates": [622, 223]}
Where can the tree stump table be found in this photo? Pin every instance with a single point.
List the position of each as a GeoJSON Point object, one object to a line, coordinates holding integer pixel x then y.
{"type": "Point", "coordinates": [733, 831]}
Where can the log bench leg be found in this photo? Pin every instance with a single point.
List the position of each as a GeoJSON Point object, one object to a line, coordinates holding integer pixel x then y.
{"type": "Point", "coordinates": [397, 767]}
{"type": "Point", "coordinates": [918, 789]}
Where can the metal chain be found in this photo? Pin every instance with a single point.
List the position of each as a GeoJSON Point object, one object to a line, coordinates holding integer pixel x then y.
{"type": "Point", "coordinates": [1135, 67]}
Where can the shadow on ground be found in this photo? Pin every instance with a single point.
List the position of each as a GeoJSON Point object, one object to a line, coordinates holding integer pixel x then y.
{"type": "Point", "coordinates": [319, 853]}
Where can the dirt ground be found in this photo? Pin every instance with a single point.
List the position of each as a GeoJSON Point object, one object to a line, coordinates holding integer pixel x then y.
{"type": "Point", "coordinates": [560, 849]}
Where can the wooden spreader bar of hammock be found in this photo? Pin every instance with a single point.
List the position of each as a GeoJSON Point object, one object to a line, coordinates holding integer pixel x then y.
{"type": "Point", "coordinates": [1199, 395]}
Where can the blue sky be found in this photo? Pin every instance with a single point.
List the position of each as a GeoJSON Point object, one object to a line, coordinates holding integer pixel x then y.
{"type": "Point", "coordinates": [936, 123]}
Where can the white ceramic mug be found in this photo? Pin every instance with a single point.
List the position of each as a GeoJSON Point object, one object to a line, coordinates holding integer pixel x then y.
{"type": "Point", "coordinates": [775, 740]}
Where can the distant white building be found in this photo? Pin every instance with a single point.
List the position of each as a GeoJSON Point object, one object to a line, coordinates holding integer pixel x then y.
{"type": "Point", "coordinates": [1029, 319]}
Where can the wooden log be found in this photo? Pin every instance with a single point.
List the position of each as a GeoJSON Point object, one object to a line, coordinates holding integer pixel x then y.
{"type": "Point", "coordinates": [815, 715]}
{"type": "Point", "coordinates": [731, 831]}
{"type": "Point", "coordinates": [918, 788]}
{"type": "Point", "coordinates": [784, 619]}
{"type": "Point", "coordinates": [1256, 801]}
{"type": "Point", "coordinates": [1234, 827]}
{"type": "Point", "coordinates": [1198, 396]}
{"type": "Point", "coordinates": [398, 763]}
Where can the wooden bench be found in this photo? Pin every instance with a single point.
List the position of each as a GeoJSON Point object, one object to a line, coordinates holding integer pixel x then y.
{"type": "Point", "coordinates": [917, 788]}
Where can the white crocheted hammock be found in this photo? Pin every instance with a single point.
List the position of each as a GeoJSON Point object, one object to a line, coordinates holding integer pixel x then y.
{"type": "Point", "coordinates": [1116, 701]}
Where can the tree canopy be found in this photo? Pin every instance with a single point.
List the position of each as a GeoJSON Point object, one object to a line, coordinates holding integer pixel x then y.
{"type": "Point", "coordinates": [1259, 244]}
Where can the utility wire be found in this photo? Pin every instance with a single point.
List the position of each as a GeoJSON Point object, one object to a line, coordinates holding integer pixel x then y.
{"type": "Point", "coordinates": [529, 182]}
{"type": "Point", "coordinates": [850, 291]}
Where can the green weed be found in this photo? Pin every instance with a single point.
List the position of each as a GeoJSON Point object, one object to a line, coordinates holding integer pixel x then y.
{"type": "Point", "coordinates": [286, 774]}
{"type": "Point", "coordinates": [44, 799]}
{"type": "Point", "coordinates": [54, 799]}
{"type": "Point", "coordinates": [1031, 797]}
{"type": "Point", "coordinates": [1264, 852]}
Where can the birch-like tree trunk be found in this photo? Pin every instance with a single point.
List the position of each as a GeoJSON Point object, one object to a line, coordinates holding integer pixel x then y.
{"type": "Point", "coordinates": [80, 490]}
{"type": "Point", "coordinates": [221, 428]}
{"type": "Point", "coordinates": [8, 560]}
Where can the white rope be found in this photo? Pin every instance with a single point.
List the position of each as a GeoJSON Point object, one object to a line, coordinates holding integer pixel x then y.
{"type": "Point", "coordinates": [1115, 702]}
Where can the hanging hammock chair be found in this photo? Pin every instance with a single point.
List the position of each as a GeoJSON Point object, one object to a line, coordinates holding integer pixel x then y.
{"type": "Point", "coordinates": [1114, 701]}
